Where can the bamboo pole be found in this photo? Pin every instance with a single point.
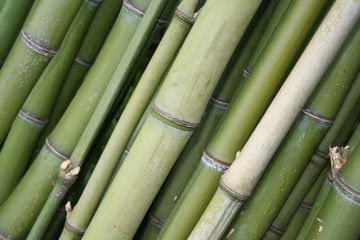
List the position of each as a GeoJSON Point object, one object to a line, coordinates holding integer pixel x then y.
{"type": "Point", "coordinates": [37, 43]}
{"type": "Point", "coordinates": [304, 208]}
{"type": "Point", "coordinates": [241, 118]}
{"type": "Point", "coordinates": [341, 205]}
{"type": "Point", "coordinates": [12, 17]}
{"type": "Point", "coordinates": [238, 182]}
{"type": "Point", "coordinates": [190, 156]}
{"type": "Point", "coordinates": [324, 192]}
{"type": "Point", "coordinates": [171, 41]}
{"type": "Point", "coordinates": [98, 31]}
{"type": "Point", "coordinates": [62, 141]}
{"type": "Point", "coordinates": [176, 111]}
{"type": "Point", "coordinates": [319, 160]}
{"type": "Point", "coordinates": [37, 108]}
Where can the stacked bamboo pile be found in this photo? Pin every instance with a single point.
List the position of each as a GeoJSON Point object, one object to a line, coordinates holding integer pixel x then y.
{"type": "Point", "coordinates": [191, 119]}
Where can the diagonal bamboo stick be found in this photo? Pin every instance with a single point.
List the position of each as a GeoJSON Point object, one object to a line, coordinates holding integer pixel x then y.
{"type": "Point", "coordinates": [238, 182]}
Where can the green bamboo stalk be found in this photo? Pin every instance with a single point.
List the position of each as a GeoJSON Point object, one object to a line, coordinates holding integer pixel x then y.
{"type": "Point", "coordinates": [94, 39]}
{"type": "Point", "coordinates": [327, 186]}
{"type": "Point", "coordinates": [241, 118]}
{"type": "Point", "coordinates": [12, 17]}
{"type": "Point", "coordinates": [36, 110]}
{"type": "Point", "coordinates": [2, 2]}
{"type": "Point", "coordinates": [341, 205]}
{"type": "Point", "coordinates": [238, 182]}
{"type": "Point", "coordinates": [63, 139]}
{"type": "Point", "coordinates": [304, 208]}
{"type": "Point", "coordinates": [177, 109]}
{"type": "Point", "coordinates": [190, 156]}
{"type": "Point", "coordinates": [293, 155]}
{"type": "Point", "coordinates": [40, 37]}
{"type": "Point", "coordinates": [173, 38]}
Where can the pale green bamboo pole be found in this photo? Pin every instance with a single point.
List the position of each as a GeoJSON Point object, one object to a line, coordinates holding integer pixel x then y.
{"type": "Point", "coordinates": [238, 182]}
{"type": "Point", "coordinates": [327, 186]}
{"type": "Point", "coordinates": [94, 39]}
{"type": "Point", "coordinates": [37, 43]}
{"type": "Point", "coordinates": [12, 17]}
{"type": "Point", "coordinates": [319, 160]}
{"type": "Point", "coordinates": [2, 2]}
{"type": "Point", "coordinates": [341, 208]}
{"type": "Point", "coordinates": [171, 41]}
{"type": "Point", "coordinates": [190, 156]}
{"type": "Point", "coordinates": [177, 109]}
{"type": "Point", "coordinates": [304, 208]}
{"type": "Point", "coordinates": [242, 117]}
{"type": "Point", "coordinates": [37, 108]}
{"type": "Point", "coordinates": [64, 138]}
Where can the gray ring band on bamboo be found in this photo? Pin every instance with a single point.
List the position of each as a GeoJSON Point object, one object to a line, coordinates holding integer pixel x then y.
{"type": "Point", "coordinates": [4, 237]}
{"type": "Point", "coordinates": [339, 181]}
{"type": "Point", "coordinates": [28, 116]}
{"type": "Point", "coordinates": [138, 11]}
{"type": "Point", "coordinates": [188, 125]}
{"type": "Point", "coordinates": [306, 205]}
{"type": "Point", "coordinates": [329, 175]}
{"type": "Point", "coordinates": [37, 47]}
{"type": "Point", "coordinates": [74, 229]}
{"type": "Point", "coordinates": [184, 16]}
{"type": "Point", "coordinates": [218, 103]}
{"type": "Point", "coordinates": [278, 231]}
{"type": "Point", "coordinates": [82, 62]}
{"type": "Point", "coordinates": [65, 179]}
{"type": "Point", "coordinates": [315, 116]}
{"type": "Point", "coordinates": [54, 150]}
{"type": "Point", "coordinates": [231, 192]}
{"type": "Point", "coordinates": [246, 72]}
{"type": "Point", "coordinates": [327, 156]}
{"type": "Point", "coordinates": [213, 162]}
{"type": "Point", "coordinates": [157, 222]}
{"type": "Point", "coordinates": [94, 2]}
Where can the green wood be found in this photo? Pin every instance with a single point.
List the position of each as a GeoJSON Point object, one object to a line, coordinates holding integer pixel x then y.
{"type": "Point", "coordinates": [46, 25]}
{"type": "Point", "coordinates": [19, 146]}
{"type": "Point", "coordinates": [12, 17]}
{"type": "Point", "coordinates": [69, 129]}
{"type": "Point", "coordinates": [241, 117]}
{"type": "Point", "coordinates": [94, 39]}
{"type": "Point", "coordinates": [297, 148]}
{"type": "Point", "coordinates": [183, 96]}
{"type": "Point", "coordinates": [239, 180]}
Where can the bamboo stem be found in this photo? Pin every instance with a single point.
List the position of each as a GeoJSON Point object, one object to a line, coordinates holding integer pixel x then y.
{"type": "Point", "coordinates": [240, 179]}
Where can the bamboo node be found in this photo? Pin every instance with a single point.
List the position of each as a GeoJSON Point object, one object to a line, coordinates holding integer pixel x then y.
{"type": "Point", "coordinates": [54, 150]}
{"type": "Point", "coordinates": [73, 229]}
{"type": "Point", "coordinates": [82, 62]}
{"type": "Point", "coordinates": [338, 157]}
{"type": "Point", "coordinates": [324, 155]}
{"type": "Point", "coordinates": [344, 186]}
{"type": "Point", "coordinates": [68, 209]}
{"type": "Point", "coordinates": [27, 116]}
{"type": "Point", "coordinates": [306, 205]}
{"type": "Point", "coordinates": [276, 230]}
{"type": "Point", "coordinates": [232, 192]}
{"type": "Point", "coordinates": [3, 236]}
{"type": "Point", "coordinates": [213, 162]}
{"type": "Point", "coordinates": [183, 16]}
{"type": "Point", "coordinates": [157, 222]}
{"type": "Point", "coordinates": [231, 232]}
{"type": "Point", "coordinates": [65, 164]}
{"type": "Point", "coordinates": [179, 124]}
{"type": "Point", "coordinates": [94, 2]}
{"type": "Point", "coordinates": [132, 8]}
{"type": "Point", "coordinates": [36, 46]}
{"type": "Point", "coordinates": [218, 103]}
{"type": "Point", "coordinates": [316, 116]}
{"type": "Point", "coordinates": [246, 72]}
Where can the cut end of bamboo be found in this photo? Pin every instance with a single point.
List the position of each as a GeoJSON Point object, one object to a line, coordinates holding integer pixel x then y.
{"type": "Point", "coordinates": [65, 164]}
{"type": "Point", "coordinates": [75, 171]}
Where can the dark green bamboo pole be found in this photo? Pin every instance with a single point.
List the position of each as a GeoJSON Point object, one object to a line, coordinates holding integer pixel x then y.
{"type": "Point", "coordinates": [37, 108]}
{"type": "Point", "coordinates": [304, 208]}
{"type": "Point", "coordinates": [37, 43]}
{"type": "Point", "coordinates": [320, 158]}
{"type": "Point", "coordinates": [239, 181]}
{"type": "Point", "coordinates": [299, 145]}
{"type": "Point", "coordinates": [94, 39]}
{"type": "Point", "coordinates": [12, 17]}
{"type": "Point", "coordinates": [241, 118]}
{"type": "Point", "coordinates": [2, 2]}
{"type": "Point", "coordinates": [341, 208]}
{"type": "Point", "coordinates": [64, 138]}
{"type": "Point", "coordinates": [177, 109]}
{"type": "Point", "coordinates": [177, 31]}
{"type": "Point", "coordinates": [353, 143]}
